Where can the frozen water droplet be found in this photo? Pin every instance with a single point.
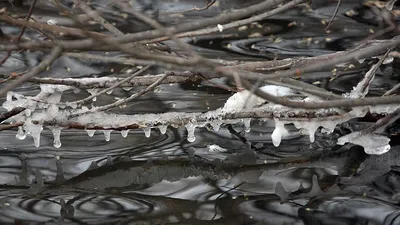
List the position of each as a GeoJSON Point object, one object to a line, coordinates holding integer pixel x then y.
{"type": "Point", "coordinates": [216, 124]}
{"type": "Point", "coordinates": [310, 128]}
{"type": "Point", "coordinates": [107, 134]}
{"type": "Point", "coordinates": [28, 112]}
{"type": "Point", "coordinates": [90, 132]}
{"type": "Point", "coordinates": [279, 131]}
{"type": "Point", "coordinates": [163, 128]}
{"type": "Point", "coordinates": [124, 133]}
{"type": "Point", "coordinates": [247, 126]}
{"type": "Point", "coordinates": [147, 131]}
{"type": "Point", "coordinates": [10, 94]}
{"type": "Point", "coordinates": [127, 88]}
{"type": "Point", "coordinates": [190, 127]}
{"type": "Point", "coordinates": [21, 133]}
{"type": "Point", "coordinates": [92, 92]}
{"type": "Point", "coordinates": [110, 92]}
{"type": "Point", "coordinates": [56, 134]}
{"type": "Point", "coordinates": [34, 130]}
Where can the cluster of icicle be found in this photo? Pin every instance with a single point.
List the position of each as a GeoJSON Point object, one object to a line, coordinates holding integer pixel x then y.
{"type": "Point", "coordinates": [46, 106]}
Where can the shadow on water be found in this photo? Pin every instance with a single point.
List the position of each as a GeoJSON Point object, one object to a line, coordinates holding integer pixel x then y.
{"type": "Point", "coordinates": [218, 179]}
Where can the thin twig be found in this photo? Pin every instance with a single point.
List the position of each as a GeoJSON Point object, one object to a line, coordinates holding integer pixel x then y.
{"type": "Point", "coordinates": [392, 90]}
{"type": "Point", "coordinates": [34, 71]}
{"type": "Point", "coordinates": [146, 35]}
{"type": "Point", "coordinates": [28, 16]}
{"type": "Point", "coordinates": [13, 112]}
{"type": "Point", "coordinates": [55, 29]}
{"type": "Point", "coordinates": [134, 96]}
{"type": "Point", "coordinates": [323, 104]}
{"type": "Point", "coordinates": [334, 15]}
{"type": "Point", "coordinates": [119, 83]}
{"type": "Point", "coordinates": [93, 14]}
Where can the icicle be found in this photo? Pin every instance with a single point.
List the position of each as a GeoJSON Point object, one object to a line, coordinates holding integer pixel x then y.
{"type": "Point", "coordinates": [329, 126]}
{"type": "Point", "coordinates": [247, 126]}
{"type": "Point", "coordinates": [147, 131]}
{"type": "Point", "coordinates": [190, 127]}
{"type": "Point", "coordinates": [90, 132]}
{"type": "Point", "coordinates": [34, 130]}
{"type": "Point", "coordinates": [21, 133]}
{"type": "Point", "coordinates": [107, 134]}
{"type": "Point", "coordinates": [124, 133]}
{"type": "Point", "coordinates": [163, 128]}
{"type": "Point", "coordinates": [216, 124]}
{"type": "Point", "coordinates": [10, 94]}
{"type": "Point", "coordinates": [56, 134]}
{"type": "Point", "coordinates": [310, 127]}
{"type": "Point", "coordinates": [279, 131]}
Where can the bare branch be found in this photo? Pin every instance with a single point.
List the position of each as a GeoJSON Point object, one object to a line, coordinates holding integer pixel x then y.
{"type": "Point", "coordinates": [34, 71]}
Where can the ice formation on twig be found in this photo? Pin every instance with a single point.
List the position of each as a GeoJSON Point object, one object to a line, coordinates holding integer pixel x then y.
{"type": "Point", "coordinates": [46, 110]}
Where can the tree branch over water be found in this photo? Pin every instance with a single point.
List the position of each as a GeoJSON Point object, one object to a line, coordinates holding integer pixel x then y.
{"type": "Point", "coordinates": [184, 64]}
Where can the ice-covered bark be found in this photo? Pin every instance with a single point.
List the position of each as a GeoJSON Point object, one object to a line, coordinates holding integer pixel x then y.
{"type": "Point", "coordinates": [46, 110]}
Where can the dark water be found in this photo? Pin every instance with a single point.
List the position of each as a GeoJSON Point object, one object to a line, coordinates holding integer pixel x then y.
{"type": "Point", "coordinates": [164, 179]}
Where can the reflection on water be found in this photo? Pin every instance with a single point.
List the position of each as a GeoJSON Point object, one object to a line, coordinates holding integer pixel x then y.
{"type": "Point", "coordinates": [217, 179]}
